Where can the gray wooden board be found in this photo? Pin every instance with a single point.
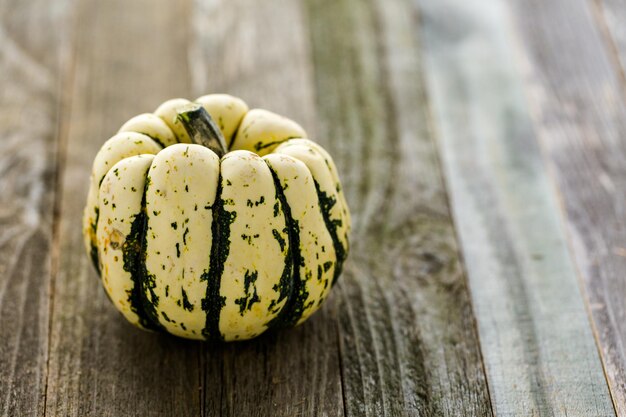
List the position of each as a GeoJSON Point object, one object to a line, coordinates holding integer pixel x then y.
{"type": "Point", "coordinates": [99, 364]}
{"type": "Point", "coordinates": [536, 339]}
{"type": "Point", "coordinates": [577, 103]}
{"type": "Point", "coordinates": [610, 16]}
{"type": "Point", "coordinates": [31, 70]}
{"type": "Point", "coordinates": [408, 338]}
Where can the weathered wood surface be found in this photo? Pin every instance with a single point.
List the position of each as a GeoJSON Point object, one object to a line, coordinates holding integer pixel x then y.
{"type": "Point", "coordinates": [529, 309]}
{"type": "Point", "coordinates": [610, 16]}
{"type": "Point", "coordinates": [174, 377]}
{"type": "Point", "coordinates": [408, 339]}
{"type": "Point", "coordinates": [32, 68]}
{"type": "Point", "coordinates": [99, 365]}
{"type": "Point", "coordinates": [460, 296]}
{"type": "Point", "coordinates": [257, 377]}
{"type": "Point", "coordinates": [577, 100]}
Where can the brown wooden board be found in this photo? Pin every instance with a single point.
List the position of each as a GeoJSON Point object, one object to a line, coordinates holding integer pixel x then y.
{"type": "Point", "coordinates": [408, 338]}
{"type": "Point", "coordinates": [31, 74]}
{"type": "Point", "coordinates": [99, 364]}
{"type": "Point", "coordinates": [260, 52]}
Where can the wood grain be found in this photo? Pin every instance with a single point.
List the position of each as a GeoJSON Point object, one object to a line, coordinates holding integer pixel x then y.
{"type": "Point", "coordinates": [408, 339]}
{"type": "Point", "coordinates": [580, 117]}
{"type": "Point", "coordinates": [31, 74]}
{"type": "Point", "coordinates": [260, 52]}
{"type": "Point", "coordinates": [380, 84]}
{"type": "Point", "coordinates": [99, 364]}
{"type": "Point", "coordinates": [530, 312]}
{"type": "Point", "coordinates": [610, 16]}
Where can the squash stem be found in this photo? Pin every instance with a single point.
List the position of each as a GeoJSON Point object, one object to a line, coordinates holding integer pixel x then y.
{"type": "Point", "coordinates": [201, 128]}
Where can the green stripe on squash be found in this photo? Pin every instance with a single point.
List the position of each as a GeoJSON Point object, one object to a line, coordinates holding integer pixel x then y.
{"type": "Point", "coordinates": [213, 302]}
{"type": "Point", "coordinates": [292, 286]}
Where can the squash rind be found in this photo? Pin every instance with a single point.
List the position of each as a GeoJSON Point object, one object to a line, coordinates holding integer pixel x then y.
{"type": "Point", "coordinates": [168, 111]}
{"type": "Point", "coordinates": [180, 195]}
{"type": "Point", "coordinates": [261, 131]}
{"type": "Point", "coordinates": [251, 279]}
{"type": "Point", "coordinates": [329, 201]}
{"type": "Point", "coordinates": [227, 111]}
{"type": "Point", "coordinates": [315, 256]}
{"type": "Point", "coordinates": [151, 125]}
{"type": "Point", "coordinates": [120, 146]}
{"type": "Point", "coordinates": [119, 245]}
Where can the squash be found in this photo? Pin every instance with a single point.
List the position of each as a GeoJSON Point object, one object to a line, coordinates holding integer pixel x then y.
{"type": "Point", "coordinates": [211, 221]}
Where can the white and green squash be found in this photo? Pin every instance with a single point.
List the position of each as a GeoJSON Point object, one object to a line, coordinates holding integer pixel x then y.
{"type": "Point", "coordinates": [211, 221]}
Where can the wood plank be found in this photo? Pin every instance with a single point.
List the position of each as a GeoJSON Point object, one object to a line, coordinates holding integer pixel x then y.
{"type": "Point", "coordinates": [260, 52]}
{"type": "Point", "coordinates": [409, 344]}
{"type": "Point", "coordinates": [580, 117]}
{"type": "Point", "coordinates": [531, 316]}
{"type": "Point", "coordinates": [129, 57]}
{"type": "Point", "coordinates": [31, 74]}
{"type": "Point", "coordinates": [610, 16]}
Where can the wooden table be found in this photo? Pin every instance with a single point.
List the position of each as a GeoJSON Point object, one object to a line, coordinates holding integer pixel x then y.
{"type": "Point", "coordinates": [482, 146]}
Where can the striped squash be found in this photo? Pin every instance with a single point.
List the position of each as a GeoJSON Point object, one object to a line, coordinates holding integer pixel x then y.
{"type": "Point", "coordinates": [211, 221]}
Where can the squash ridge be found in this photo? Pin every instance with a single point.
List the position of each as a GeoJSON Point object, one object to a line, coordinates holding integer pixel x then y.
{"type": "Point", "coordinates": [134, 263]}
{"type": "Point", "coordinates": [294, 306]}
{"type": "Point", "coordinates": [326, 204]}
{"type": "Point", "coordinates": [145, 281]}
{"type": "Point", "coordinates": [220, 247]}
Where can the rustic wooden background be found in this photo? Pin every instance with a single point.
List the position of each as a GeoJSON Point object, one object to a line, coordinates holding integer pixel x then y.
{"type": "Point", "coordinates": [482, 145]}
